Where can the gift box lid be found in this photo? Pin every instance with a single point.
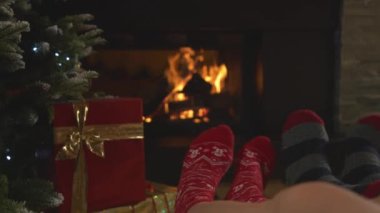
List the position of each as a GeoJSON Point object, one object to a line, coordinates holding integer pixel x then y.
{"type": "Point", "coordinates": [101, 111]}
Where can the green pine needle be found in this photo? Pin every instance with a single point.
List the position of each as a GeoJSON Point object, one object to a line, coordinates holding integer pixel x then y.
{"type": "Point", "coordinates": [37, 194]}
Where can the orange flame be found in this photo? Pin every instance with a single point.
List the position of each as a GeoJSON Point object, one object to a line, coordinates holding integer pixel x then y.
{"type": "Point", "coordinates": [215, 75]}
{"type": "Point", "coordinates": [184, 64]}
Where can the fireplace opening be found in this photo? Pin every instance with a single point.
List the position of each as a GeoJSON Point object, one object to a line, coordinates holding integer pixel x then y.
{"type": "Point", "coordinates": [203, 81]}
{"type": "Point", "coordinates": [197, 83]}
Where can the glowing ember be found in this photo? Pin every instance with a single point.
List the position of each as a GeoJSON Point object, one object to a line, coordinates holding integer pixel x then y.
{"type": "Point", "coordinates": [147, 119]}
{"type": "Point", "coordinates": [198, 115]}
{"type": "Point", "coordinates": [179, 96]}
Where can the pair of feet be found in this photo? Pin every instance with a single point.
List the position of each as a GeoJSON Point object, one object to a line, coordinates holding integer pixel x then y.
{"type": "Point", "coordinates": [303, 139]}
{"type": "Point", "coordinates": [210, 156]}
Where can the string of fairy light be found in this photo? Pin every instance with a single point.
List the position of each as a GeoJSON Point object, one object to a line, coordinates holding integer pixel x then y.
{"type": "Point", "coordinates": [44, 47]}
{"type": "Point", "coordinates": [40, 48]}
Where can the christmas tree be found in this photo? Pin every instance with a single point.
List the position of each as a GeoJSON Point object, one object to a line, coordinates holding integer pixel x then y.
{"type": "Point", "coordinates": [37, 69]}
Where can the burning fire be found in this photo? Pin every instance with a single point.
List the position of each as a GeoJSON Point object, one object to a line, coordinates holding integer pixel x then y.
{"type": "Point", "coordinates": [182, 66]}
{"type": "Point", "coordinates": [215, 75]}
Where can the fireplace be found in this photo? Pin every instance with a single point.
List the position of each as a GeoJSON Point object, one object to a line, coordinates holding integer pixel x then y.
{"type": "Point", "coordinates": [280, 56]}
{"type": "Point", "coordinates": [197, 84]}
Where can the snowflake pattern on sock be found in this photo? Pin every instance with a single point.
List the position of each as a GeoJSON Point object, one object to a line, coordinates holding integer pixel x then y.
{"type": "Point", "coordinates": [248, 185]}
{"type": "Point", "coordinates": [203, 168]}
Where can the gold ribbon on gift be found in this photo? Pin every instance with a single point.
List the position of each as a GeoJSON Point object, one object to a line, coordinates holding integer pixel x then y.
{"type": "Point", "coordinates": [161, 200]}
{"type": "Point", "coordinates": [93, 137]}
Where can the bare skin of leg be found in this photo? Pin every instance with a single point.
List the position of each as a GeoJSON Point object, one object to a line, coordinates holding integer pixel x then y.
{"type": "Point", "coordinates": [377, 200]}
{"type": "Point", "coordinates": [312, 197]}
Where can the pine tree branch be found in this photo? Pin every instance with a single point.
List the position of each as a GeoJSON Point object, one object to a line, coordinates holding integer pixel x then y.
{"type": "Point", "coordinates": [5, 9]}
{"type": "Point", "coordinates": [6, 204]}
{"type": "Point", "coordinates": [11, 206]}
{"type": "Point", "coordinates": [10, 30]}
{"type": "Point", "coordinates": [37, 194]}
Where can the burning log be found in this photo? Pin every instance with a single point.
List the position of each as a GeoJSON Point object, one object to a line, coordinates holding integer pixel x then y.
{"type": "Point", "coordinates": [197, 86]}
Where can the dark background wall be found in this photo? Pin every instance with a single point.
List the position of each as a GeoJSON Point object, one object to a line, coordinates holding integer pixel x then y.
{"type": "Point", "coordinates": [300, 73]}
{"type": "Point", "coordinates": [298, 41]}
{"type": "Point", "coordinates": [132, 15]}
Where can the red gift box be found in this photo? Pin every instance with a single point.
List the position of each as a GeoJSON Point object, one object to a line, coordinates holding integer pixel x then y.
{"type": "Point", "coordinates": [114, 180]}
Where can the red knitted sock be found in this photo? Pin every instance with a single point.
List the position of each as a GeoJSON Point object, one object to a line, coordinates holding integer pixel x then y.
{"type": "Point", "coordinates": [207, 160]}
{"type": "Point", "coordinates": [256, 161]}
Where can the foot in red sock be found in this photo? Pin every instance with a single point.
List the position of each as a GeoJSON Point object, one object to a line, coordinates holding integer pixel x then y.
{"type": "Point", "coordinates": [209, 157]}
{"type": "Point", "coordinates": [255, 162]}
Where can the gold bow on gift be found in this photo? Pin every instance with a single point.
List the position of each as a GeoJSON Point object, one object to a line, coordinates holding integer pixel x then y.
{"type": "Point", "coordinates": [72, 146]}
{"type": "Point", "coordinates": [93, 137]}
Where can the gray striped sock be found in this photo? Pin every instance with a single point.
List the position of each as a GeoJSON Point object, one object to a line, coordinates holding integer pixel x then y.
{"type": "Point", "coordinates": [367, 132]}
{"type": "Point", "coordinates": [362, 160]}
{"type": "Point", "coordinates": [302, 149]}
{"type": "Point", "coordinates": [303, 142]}
{"type": "Point", "coordinates": [361, 167]}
